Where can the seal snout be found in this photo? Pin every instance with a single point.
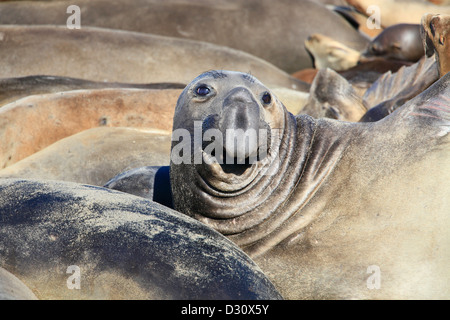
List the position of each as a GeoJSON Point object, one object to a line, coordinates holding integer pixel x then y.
{"type": "Point", "coordinates": [240, 123]}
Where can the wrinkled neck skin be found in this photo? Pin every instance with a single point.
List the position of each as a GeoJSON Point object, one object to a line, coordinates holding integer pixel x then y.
{"type": "Point", "coordinates": [263, 207]}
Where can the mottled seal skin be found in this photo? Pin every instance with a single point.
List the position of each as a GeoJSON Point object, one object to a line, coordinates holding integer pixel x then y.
{"type": "Point", "coordinates": [12, 288]}
{"type": "Point", "coordinates": [398, 42]}
{"type": "Point", "coordinates": [435, 30]}
{"type": "Point", "coordinates": [234, 24]}
{"type": "Point", "coordinates": [331, 198]}
{"type": "Point", "coordinates": [125, 247]}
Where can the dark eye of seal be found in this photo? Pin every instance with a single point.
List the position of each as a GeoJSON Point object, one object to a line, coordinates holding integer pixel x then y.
{"type": "Point", "coordinates": [266, 98]}
{"type": "Point", "coordinates": [202, 90]}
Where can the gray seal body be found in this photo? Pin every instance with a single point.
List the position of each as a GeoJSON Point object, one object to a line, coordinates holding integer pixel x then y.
{"type": "Point", "coordinates": [59, 235]}
{"type": "Point", "coordinates": [330, 198]}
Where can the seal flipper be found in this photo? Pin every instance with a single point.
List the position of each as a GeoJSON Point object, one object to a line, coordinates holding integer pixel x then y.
{"type": "Point", "coordinates": [392, 90]}
{"type": "Point", "coordinates": [432, 107]}
{"type": "Point", "coordinates": [390, 84]}
{"type": "Point", "coordinates": [332, 96]}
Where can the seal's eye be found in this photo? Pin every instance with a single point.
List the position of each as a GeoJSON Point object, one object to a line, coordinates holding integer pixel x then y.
{"type": "Point", "coordinates": [202, 90]}
{"type": "Point", "coordinates": [266, 98]}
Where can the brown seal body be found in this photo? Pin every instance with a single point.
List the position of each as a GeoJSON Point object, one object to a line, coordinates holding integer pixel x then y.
{"type": "Point", "coordinates": [94, 156]}
{"type": "Point", "coordinates": [328, 200]}
{"type": "Point", "coordinates": [436, 37]}
{"type": "Point", "coordinates": [99, 54]}
{"type": "Point", "coordinates": [245, 25]}
{"type": "Point", "coordinates": [329, 53]}
{"type": "Point", "coordinates": [32, 123]}
{"type": "Point", "coordinates": [397, 42]}
{"type": "Point", "coordinates": [12, 89]}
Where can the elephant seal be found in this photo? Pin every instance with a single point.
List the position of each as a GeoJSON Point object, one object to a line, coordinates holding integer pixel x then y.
{"type": "Point", "coordinates": [435, 30]}
{"type": "Point", "coordinates": [95, 155]}
{"type": "Point", "coordinates": [325, 207]}
{"type": "Point", "coordinates": [70, 241]}
{"type": "Point", "coordinates": [399, 42]}
{"type": "Point", "coordinates": [391, 90]}
{"type": "Point", "coordinates": [12, 89]}
{"type": "Point", "coordinates": [398, 11]}
{"type": "Point", "coordinates": [329, 53]}
{"type": "Point", "coordinates": [233, 23]}
{"type": "Point", "coordinates": [367, 71]}
{"type": "Point", "coordinates": [12, 288]}
{"type": "Point", "coordinates": [30, 124]}
{"type": "Point", "coordinates": [332, 96]}
{"type": "Point", "coordinates": [98, 54]}
{"type": "Point", "coordinates": [360, 19]}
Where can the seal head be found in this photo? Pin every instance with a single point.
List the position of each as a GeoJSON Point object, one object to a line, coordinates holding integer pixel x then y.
{"type": "Point", "coordinates": [227, 126]}
{"type": "Point", "coordinates": [398, 42]}
{"type": "Point", "coordinates": [434, 29]}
